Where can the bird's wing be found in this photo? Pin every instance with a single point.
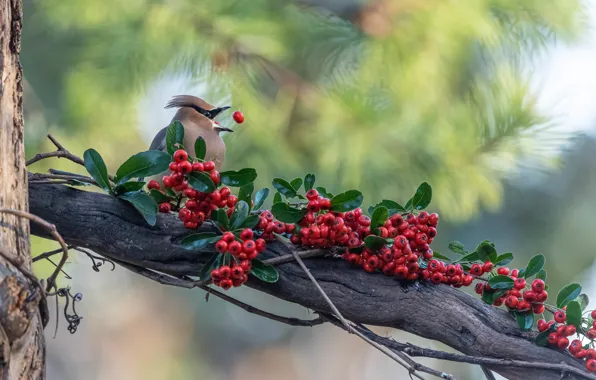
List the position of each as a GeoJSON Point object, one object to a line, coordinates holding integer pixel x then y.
{"type": "Point", "coordinates": [159, 141]}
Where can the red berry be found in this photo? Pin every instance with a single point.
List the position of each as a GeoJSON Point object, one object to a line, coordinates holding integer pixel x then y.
{"type": "Point", "coordinates": [593, 314]}
{"type": "Point", "coordinates": [185, 167]}
{"type": "Point", "coordinates": [553, 338]}
{"type": "Point", "coordinates": [246, 234]}
{"type": "Point", "coordinates": [180, 155]}
{"type": "Point", "coordinates": [542, 325]}
{"type": "Point", "coordinates": [436, 278]}
{"type": "Point", "coordinates": [591, 353]}
{"type": "Point", "coordinates": [184, 214]}
{"type": "Point", "coordinates": [226, 284]}
{"type": "Point", "coordinates": [591, 333]}
{"type": "Point", "coordinates": [487, 267]}
{"type": "Point", "coordinates": [511, 302]}
{"type": "Point", "coordinates": [228, 237]}
{"type": "Point", "coordinates": [503, 271]}
{"type": "Point", "coordinates": [191, 225]}
{"type": "Point", "coordinates": [562, 343]}
{"type": "Point", "coordinates": [153, 184]}
{"type": "Point", "coordinates": [479, 288]}
{"type": "Point", "coordinates": [476, 269]}
{"type": "Point", "coordinates": [364, 220]}
{"type": "Point", "coordinates": [312, 195]}
{"type": "Point", "coordinates": [538, 285]}
{"type": "Point", "coordinates": [467, 280]}
{"type": "Point", "coordinates": [523, 305]}
{"type": "Point", "coordinates": [167, 181]}
{"type": "Point", "coordinates": [165, 207]}
{"type": "Point", "coordinates": [519, 283]}
{"type": "Point", "coordinates": [214, 175]}
{"type": "Point", "coordinates": [234, 247]}
{"type": "Point", "coordinates": [237, 272]}
{"type": "Point", "coordinates": [560, 316]}
{"type": "Point", "coordinates": [232, 200]}
{"type": "Point", "coordinates": [173, 166]}
{"type": "Point", "coordinates": [238, 117]}
{"type": "Point", "coordinates": [529, 296]}
{"type": "Point", "coordinates": [514, 273]}
{"type": "Point", "coordinates": [591, 365]}
{"type": "Point", "coordinates": [215, 274]}
{"type": "Point", "coordinates": [208, 166]}
{"type": "Point", "coordinates": [224, 271]}
{"type": "Point", "coordinates": [538, 309]}
{"type": "Point", "coordinates": [221, 246]}
{"type": "Point", "coordinates": [570, 330]}
{"type": "Point", "coordinates": [249, 245]}
{"type": "Point", "coordinates": [313, 206]}
{"type": "Point", "coordinates": [198, 167]}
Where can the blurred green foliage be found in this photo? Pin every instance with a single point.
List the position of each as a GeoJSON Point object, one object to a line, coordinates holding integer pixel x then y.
{"type": "Point", "coordinates": [418, 91]}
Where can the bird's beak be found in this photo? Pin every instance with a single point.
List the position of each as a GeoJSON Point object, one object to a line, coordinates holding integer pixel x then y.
{"type": "Point", "coordinates": [216, 111]}
{"type": "Point", "coordinates": [223, 129]}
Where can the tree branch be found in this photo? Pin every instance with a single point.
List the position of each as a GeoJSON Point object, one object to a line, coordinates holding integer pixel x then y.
{"type": "Point", "coordinates": [484, 334]}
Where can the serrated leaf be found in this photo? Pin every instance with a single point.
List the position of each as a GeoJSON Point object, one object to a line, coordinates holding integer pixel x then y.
{"type": "Point", "coordinates": [174, 137]}
{"type": "Point", "coordinates": [239, 215]}
{"type": "Point", "coordinates": [287, 214]}
{"type": "Point", "coordinates": [374, 243]}
{"type": "Point", "coordinates": [504, 259]}
{"type": "Point", "coordinates": [158, 196]}
{"type": "Point", "coordinates": [260, 198]}
{"type": "Point", "coordinates": [525, 321]}
{"type": "Point", "coordinates": [200, 240]}
{"type": "Point", "coordinates": [211, 264]}
{"type": "Point", "coordinates": [309, 181]}
{"type": "Point", "coordinates": [574, 314]}
{"type": "Point", "coordinates": [238, 178]}
{"type": "Point", "coordinates": [323, 192]}
{"type": "Point", "coordinates": [421, 198]}
{"type": "Point", "coordinates": [568, 294]}
{"type": "Point", "coordinates": [201, 181]}
{"type": "Point", "coordinates": [501, 282]}
{"type": "Point", "coordinates": [346, 201]}
{"type": "Point", "coordinates": [220, 217]}
{"type": "Point", "coordinates": [541, 275]}
{"type": "Point", "coordinates": [143, 164]}
{"type": "Point", "coordinates": [250, 222]}
{"type": "Point", "coordinates": [583, 301]}
{"type": "Point", "coordinates": [245, 193]}
{"type": "Point", "coordinates": [200, 148]}
{"type": "Point", "coordinates": [128, 187]}
{"type": "Point", "coordinates": [457, 247]}
{"type": "Point", "coordinates": [284, 187]}
{"type": "Point", "coordinates": [440, 256]}
{"type": "Point", "coordinates": [264, 272]}
{"type": "Point", "coordinates": [144, 204]}
{"type": "Point", "coordinates": [486, 251]}
{"type": "Point", "coordinates": [296, 183]}
{"type": "Point", "coordinates": [378, 218]}
{"type": "Point", "coordinates": [535, 265]}
{"type": "Point", "coordinates": [97, 168]}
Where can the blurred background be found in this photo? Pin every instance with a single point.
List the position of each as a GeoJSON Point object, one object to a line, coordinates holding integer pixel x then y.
{"type": "Point", "coordinates": [490, 101]}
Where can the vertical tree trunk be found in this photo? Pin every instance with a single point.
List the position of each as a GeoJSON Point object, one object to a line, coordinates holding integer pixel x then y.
{"type": "Point", "coordinates": [22, 350]}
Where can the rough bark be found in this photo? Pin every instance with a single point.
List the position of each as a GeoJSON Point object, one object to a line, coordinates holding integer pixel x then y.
{"type": "Point", "coordinates": [114, 229]}
{"type": "Point", "coordinates": [21, 332]}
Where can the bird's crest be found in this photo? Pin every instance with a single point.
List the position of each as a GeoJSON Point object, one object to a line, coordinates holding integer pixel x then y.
{"type": "Point", "coordinates": [179, 101]}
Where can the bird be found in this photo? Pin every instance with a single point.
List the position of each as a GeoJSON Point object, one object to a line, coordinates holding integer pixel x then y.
{"type": "Point", "coordinates": [197, 117]}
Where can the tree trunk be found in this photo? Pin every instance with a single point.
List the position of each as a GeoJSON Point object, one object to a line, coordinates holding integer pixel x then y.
{"type": "Point", "coordinates": [22, 349]}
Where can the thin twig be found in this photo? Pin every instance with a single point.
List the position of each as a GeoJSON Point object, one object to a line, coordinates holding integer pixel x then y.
{"type": "Point", "coordinates": [290, 257]}
{"type": "Point", "coordinates": [61, 152]}
{"type": "Point", "coordinates": [53, 231]}
{"type": "Point", "coordinates": [45, 255]}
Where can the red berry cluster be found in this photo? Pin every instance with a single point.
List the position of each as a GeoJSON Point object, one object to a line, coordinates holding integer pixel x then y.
{"type": "Point", "coordinates": [519, 298]}
{"type": "Point", "coordinates": [268, 225]}
{"type": "Point", "coordinates": [243, 250]}
{"type": "Point", "coordinates": [409, 250]}
{"type": "Point", "coordinates": [560, 337]}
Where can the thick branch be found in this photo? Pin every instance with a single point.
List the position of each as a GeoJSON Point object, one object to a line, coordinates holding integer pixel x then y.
{"type": "Point", "coordinates": [113, 228]}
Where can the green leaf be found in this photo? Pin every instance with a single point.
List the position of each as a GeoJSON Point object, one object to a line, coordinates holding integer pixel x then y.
{"type": "Point", "coordinates": [525, 321]}
{"type": "Point", "coordinates": [522, 272]}
{"type": "Point", "coordinates": [378, 218]}
{"type": "Point", "coordinates": [264, 272]}
{"type": "Point", "coordinates": [250, 222]}
{"type": "Point", "coordinates": [490, 297]}
{"type": "Point", "coordinates": [501, 282]}
{"type": "Point", "coordinates": [245, 193]}
{"type": "Point", "coordinates": [238, 178]}
{"type": "Point", "coordinates": [200, 148]}
{"type": "Point", "coordinates": [541, 275]}
{"type": "Point", "coordinates": [284, 188]}
{"type": "Point", "coordinates": [277, 198]}
{"type": "Point", "coordinates": [174, 137]}
{"type": "Point", "coordinates": [347, 201]}
{"type": "Point", "coordinates": [469, 258]}
{"type": "Point", "coordinates": [583, 301]}
{"type": "Point", "coordinates": [392, 206]}
{"type": "Point", "coordinates": [239, 215]}
{"type": "Point", "coordinates": [220, 217]}
{"type": "Point", "coordinates": [127, 187]}
{"type": "Point", "coordinates": [143, 164]}
{"type": "Point", "coordinates": [323, 192]}
{"type": "Point", "coordinates": [457, 247]}
{"type": "Point", "coordinates": [486, 251]}
{"type": "Point", "coordinates": [374, 243]}
{"type": "Point", "coordinates": [534, 265]}
{"type": "Point", "coordinates": [201, 181]}
{"type": "Point", "coordinates": [504, 259]}
{"type": "Point", "coordinates": [287, 214]}
{"type": "Point", "coordinates": [144, 205]}
{"type": "Point", "coordinates": [209, 266]}
{"type": "Point", "coordinates": [296, 183]}
{"type": "Point", "coordinates": [309, 181]}
{"type": "Point", "coordinates": [200, 240]}
{"type": "Point", "coordinates": [440, 256]}
{"type": "Point", "coordinates": [158, 196]}
{"type": "Point", "coordinates": [568, 294]}
{"type": "Point", "coordinates": [574, 314]}
{"type": "Point", "coordinates": [260, 198]}
{"type": "Point", "coordinates": [97, 168]}
{"type": "Point", "coordinates": [542, 338]}
{"type": "Point", "coordinates": [421, 198]}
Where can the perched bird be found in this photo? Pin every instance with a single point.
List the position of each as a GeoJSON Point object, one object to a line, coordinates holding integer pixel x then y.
{"type": "Point", "coordinates": [197, 116]}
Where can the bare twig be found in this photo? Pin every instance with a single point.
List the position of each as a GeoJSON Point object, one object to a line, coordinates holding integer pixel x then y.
{"type": "Point", "coordinates": [61, 152]}
{"type": "Point", "coordinates": [45, 255]}
{"type": "Point", "coordinates": [290, 257]}
{"type": "Point", "coordinates": [53, 231]}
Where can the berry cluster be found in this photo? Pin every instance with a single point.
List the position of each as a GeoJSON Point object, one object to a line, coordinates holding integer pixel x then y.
{"type": "Point", "coordinates": [519, 298]}
{"type": "Point", "coordinates": [268, 226]}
